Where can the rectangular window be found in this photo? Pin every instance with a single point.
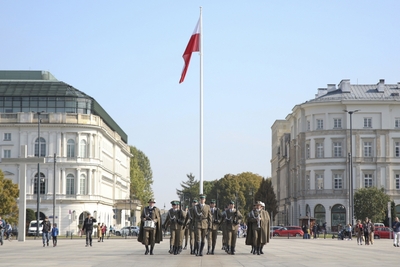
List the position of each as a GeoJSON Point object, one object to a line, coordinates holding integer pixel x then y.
{"type": "Point", "coordinates": [397, 123]}
{"type": "Point", "coordinates": [70, 190]}
{"type": "Point", "coordinates": [367, 122]}
{"type": "Point", "coordinates": [319, 153]}
{"type": "Point", "coordinates": [337, 149]}
{"type": "Point", "coordinates": [308, 126]}
{"type": "Point", "coordinates": [6, 153]}
{"type": "Point", "coordinates": [367, 149]}
{"type": "Point", "coordinates": [308, 181]}
{"type": "Point", "coordinates": [7, 136]}
{"type": "Point", "coordinates": [319, 178]}
{"type": "Point", "coordinates": [367, 180]}
{"type": "Point", "coordinates": [337, 123]}
{"type": "Point", "coordinates": [397, 181]}
{"type": "Point", "coordinates": [307, 151]}
{"type": "Point", "coordinates": [397, 149]}
{"type": "Point", "coordinates": [320, 124]}
{"type": "Point", "coordinates": [337, 181]}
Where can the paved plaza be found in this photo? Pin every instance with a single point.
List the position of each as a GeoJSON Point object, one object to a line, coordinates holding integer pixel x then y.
{"type": "Point", "coordinates": [129, 252]}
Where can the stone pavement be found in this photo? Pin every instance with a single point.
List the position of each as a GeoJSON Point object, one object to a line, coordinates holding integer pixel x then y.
{"type": "Point", "coordinates": [129, 252]}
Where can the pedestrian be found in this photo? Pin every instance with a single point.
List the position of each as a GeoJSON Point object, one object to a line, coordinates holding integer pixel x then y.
{"type": "Point", "coordinates": [99, 232]}
{"type": "Point", "coordinates": [233, 218]}
{"type": "Point", "coordinates": [260, 222]}
{"type": "Point", "coordinates": [103, 231]}
{"type": "Point", "coordinates": [54, 234]}
{"type": "Point", "coordinates": [151, 233]}
{"type": "Point", "coordinates": [371, 233]}
{"type": "Point", "coordinates": [203, 220]}
{"type": "Point", "coordinates": [88, 228]}
{"type": "Point", "coordinates": [314, 230]}
{"type": "Point", "coordinates": [349, 231]}
{"type": "Point", "coordinates": [190, 223]}
{"type": "Point", "coordinates": [175, 220]}
{"type": "Point", "coordinates": [213, 227]}
{"type": "Point", "coordinates": [224, 230]}
{"type": "Point", "coordinates": [367, 230]}
{"type": "Point", "coordinates": [2, 228]}
{"type": "Point", "coordinates": [8, 231]}
{"type": "Point", "coordinates": [324, 229]}
{"type": "Point", "coordinates": [318, 230]}
{"type": "Point", "coordinates": [358, 229]}
{"type": "Point", "coordinates": [396, 232]}
{"type": "Point", "coordinates": [46, 231]}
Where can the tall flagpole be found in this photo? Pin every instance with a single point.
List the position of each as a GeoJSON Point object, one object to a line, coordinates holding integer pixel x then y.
{"type": "Point", "coordinates": [201, 102]}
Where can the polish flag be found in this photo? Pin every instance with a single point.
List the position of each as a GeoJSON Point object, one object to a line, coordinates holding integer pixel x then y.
{"type": "Point", "coordinates": [192, 46]}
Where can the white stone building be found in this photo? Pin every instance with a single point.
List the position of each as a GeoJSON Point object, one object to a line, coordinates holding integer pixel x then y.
{"type": "Point", "coordinates": [92, 170]}
{"type": "Point", "coordinates": [310, 151]}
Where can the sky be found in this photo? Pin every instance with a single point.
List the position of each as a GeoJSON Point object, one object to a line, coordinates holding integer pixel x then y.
{"type": "Point", "coordinates": [261, 58]}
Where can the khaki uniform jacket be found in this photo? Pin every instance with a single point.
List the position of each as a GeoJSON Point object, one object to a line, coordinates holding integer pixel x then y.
{"type": "Point", "coordinates": [232, 219]}
{"type": "Point", "coordinates": [202, 216]}
{"type": "Point", "coordinates": [175, 219]}
{"type": "Point", "coordinates": [253, 225]}
{"type": "Point", "coordinates": [216, 218]}
{"type": "Point", "coordinates": [156, 217]}
{"type": "Point", "coordinates": [189, 220]}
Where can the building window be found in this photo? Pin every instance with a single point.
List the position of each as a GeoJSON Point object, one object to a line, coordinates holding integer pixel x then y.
{"type": "Point", "coordinates": [42, 147]}
{"type": "Point", "coordinates": [397, 180]}
{"type": "Point", "coordinates": [82, 184]}
{"type": "Point", "coordinates": [397, 123]}
{"type": "Point", "coordinates": [319, 214]}
{"type": "Point", "coordinates": [319, 178]}
{"type": "Point", "coordinates": [367, 180]}
{"type": "Point", "coordinates": [308, 126]}
{"type": "Point", "coordinates": [319, 153]}
{"type": "Point", "coordinates": [70, 148]}
{"type": "Point", "coordinates": [320, 124]}
{"type": "Point", "coordinates": [397, 149]}
{"type": "Point", "coordinates": [70, 184]}
{"type": "Point", "coordinates": [6, 153]}
{"type": "Point", "coordinates": [337, 149]}
{"type": "Point", "coordinates": [337, 181]}
{"type": "Point", "coordinates": [82, 147]}
{"type": "Point", "coordinates": [42, 184]}
{"type": "Point", "coordinates": [308, 181]}
{"type": "Point", "coordinates": [367, 149]}
{"type": "Point", "coordinates": [337, 123]}
{"type": "Point", "coordinates": [307, 151]}
{"type": "Point", "coordinates": [367, 122]}
{"type": "Point", "coordinates": [7, 136]}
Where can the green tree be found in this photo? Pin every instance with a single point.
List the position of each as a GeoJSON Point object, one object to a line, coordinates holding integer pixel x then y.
{"type": "Point", "coordinates": [267, 195]}
{"type": "Point", "coordinates": [9, 193]}
{"type": "Point", "coordinates": [141, 176]}
{"type": "Point", "coordinates": [371, 202]}
{"type": "Point", "coordinates": [190, 188]}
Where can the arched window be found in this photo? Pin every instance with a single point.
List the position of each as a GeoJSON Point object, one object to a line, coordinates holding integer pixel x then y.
{"type": "Point", "coordinates": [70, 184]}
{"type": "Point", "coordinates": [397, 210]}
{"type": "Point", "coordinates": [338, 213]}
{"type": "Point", "coordinates": [70, 148]}
{"type": "Point", "coordinates": [82, 184]}
{"type": "Point", "coordinates": [42, 147]}
{"type": "Point", "coordinates": [319, 214]}
{"type": "Point", "coordinates": [82, 149]}
{"type": "Point", "coordinates": [42, 184]}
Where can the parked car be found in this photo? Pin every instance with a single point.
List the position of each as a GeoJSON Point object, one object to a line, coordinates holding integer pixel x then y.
{"type": "Point", "coordinates": [134, 230]}
{"type": "Point", "coordinates": [383, 232]}
{"type": "Point", "coordinates": [32, 229]}
{"type": "Point", "coordinates": [289, 230]}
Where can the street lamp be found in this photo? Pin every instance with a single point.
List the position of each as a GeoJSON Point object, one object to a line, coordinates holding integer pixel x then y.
{"type": "Point", "coordinates": [351, 200]}
{"type": "Point", "coordinates": [54, 189]}
{"type": "Point", "coordinates": [38, 176]}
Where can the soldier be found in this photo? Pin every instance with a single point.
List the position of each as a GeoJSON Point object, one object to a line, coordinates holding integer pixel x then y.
{"type": "Point", "coordinates": [149, 235]}
{"type": "Point", "coordinates": [233, 218]}
{"type": "Point", "coordinates": [259, 221]}
{"type": "Point", "coordinates": [175, 220]}
{"type": "Point", "coordinates": [190, 223]}
{"type": "Point", "coordinates": [223, 229]}
{"type": "Point", "coordinates": [249, 237]}
{"type": "Point", "coordinates": [213, 229]}
{"type": "Point", "coordinates": [186, 230]}
{"type": "Point", "coordinates": [182, 233]}
{"type": "Point", "coordinates": [203, 221]}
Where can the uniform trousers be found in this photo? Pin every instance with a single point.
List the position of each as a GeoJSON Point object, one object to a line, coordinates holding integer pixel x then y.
{"type": "Point", "coordinates": [257, 237]}
{"type": "Point", "coordinates": [231, 236]}
{"type": "Point", "coordinates": [201, 235]}
{"type": "Point", "coordinates": [212, 238]}
{"type": "Point", "coordinates": [149, 237]}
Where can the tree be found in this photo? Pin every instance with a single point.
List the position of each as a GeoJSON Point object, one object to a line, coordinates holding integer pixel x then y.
{"type": "Point", "coordinates": [371, 202]}
{"type": "Point", "coordinates": [267, 195]}
{"type": "Point", "coordinates": [9, 193]}
{"type": "Point", "coordinates": [141, 176]}
{"type": "Point", "coordinates": [190, 188]}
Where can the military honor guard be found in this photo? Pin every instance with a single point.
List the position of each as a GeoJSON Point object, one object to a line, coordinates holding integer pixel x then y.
{"type": "Point", "coordinates": [202, 214]}
{"type": "Point", "coordinates": [190, 223]}
{"type": "Point", "coordinates": [258, 228]}
{"type": "Point", "coordinates": [216, 218]}
{"type": "Point", "coordinates": [150, 227]}
{"type": "Point", "coordinates": [223, 229]}
{"type": "Point", "coordinates": [233, 218]}
{"type": "Point", "coordinates": [186, 229]}
{"type": "Point", "coordinates": [175, 220]}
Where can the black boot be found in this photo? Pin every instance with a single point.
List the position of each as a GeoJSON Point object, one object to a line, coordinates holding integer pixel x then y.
{"type": "Point", "coordinates": [261, 252]}
{"type": "Point", "coordinates": [151, 249]}
{"type": "Point", "coordinates": [201, 248]}
{"type": "Point", "coordinates": [227, 249]}
{"type": "Point", "coordinates": [253, 250]}
{"type": "Point", "coordinates": [175, 250]}
{"type": "Point", "coordinates": [179, 249]}
{"type": "Point", "coordinates": [198, 249]}
{"type": "Point", "coordinates": [191, 250]}
{"type": "Point", "coordinates": [170, 250]}
{"type": "Point", "coordinates": [208, 250]}
{"type": "Point", "coordinates": [212, 250]}
{"type": "Point", "coordinates": [258, 250]}
{"type": "Point", "coordinates": [147, 250]}
{"type": "Point", "coordinates": [232, 250]}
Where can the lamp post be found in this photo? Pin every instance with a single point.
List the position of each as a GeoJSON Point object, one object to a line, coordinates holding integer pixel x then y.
{"type": "Point", "coordinates": [54, 189]}
{"type": "Point", "coordinates": [351, 200]}
{"type": "Point", "coordinates": [38, 177]}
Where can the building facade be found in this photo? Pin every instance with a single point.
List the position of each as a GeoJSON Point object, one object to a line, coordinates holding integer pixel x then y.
{"type": "Point", "coordinates": [83, 153]}
{"type": "Point", "coordinates": [310, 159]}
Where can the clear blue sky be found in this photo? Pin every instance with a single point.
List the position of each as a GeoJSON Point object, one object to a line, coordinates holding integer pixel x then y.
{"type": "Point", "coordinates": [260, 59]}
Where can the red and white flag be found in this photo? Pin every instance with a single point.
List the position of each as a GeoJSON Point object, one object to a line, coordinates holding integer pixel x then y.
{"type": "Point", "coordinates": [192, 46]}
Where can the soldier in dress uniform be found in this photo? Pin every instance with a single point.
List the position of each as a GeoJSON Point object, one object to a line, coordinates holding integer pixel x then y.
{"type": "Point", "coordinates": [150, 236]}
{"type": "Point", "coordinates": [223, 229]}
{"type": "Point", "coordinates": [259, 220]}
{"type": "Point", "coordinates": [213, 229]}
{"type": "Point", "coordinates": [203, 221]}
{"type": "Point", "coordinates": [190, 223]}
{"type": "Point", "coordinates": [182, 233]}
{"type": "Point", "coordinates": [186, 229]}
{"type": "Point", "coordinates": [233, 218]}
{"type": "Point", "coordinates": [249, 237]}
{"type": "Point", "coordinates": [175, 220]}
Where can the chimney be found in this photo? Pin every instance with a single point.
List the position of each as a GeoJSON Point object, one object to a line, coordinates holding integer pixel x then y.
{"type": "Point", "coordinates": [321, 92]}
{"type": "Point", "coordinates": [381, 86]}
{"type": "Point", "coordinates": [344, 85]}
{"type": "Point", "coordinates": [331, 87]}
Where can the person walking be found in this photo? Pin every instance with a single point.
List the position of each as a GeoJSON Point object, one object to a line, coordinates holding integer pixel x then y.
{"type": "Point", "coordinates": [46, 231]}
{"type": "Point", "coordinates": [359, 232]}
{"type": "Point", "coordinates": [190, 223]}
{"type": "Point", "coordinates": [260, 222]}
{"type": "Point", "coordinates": [99, 232]}
{"type": "Point", "coordinates": [150, 234]}
{"type": "Point", "coordinates": [213, 228]}
{"type": "Point", "coordinates": [233, 218]}
{"type": "Point", "coordinates": [396, 232]}
{"type": "Point", "coordinates": [2, 228]}
{"type": "Point", "coordinates": [367, 230]}
{"type": "Point", "coordinates": [87, 228]}
{"type": "Point", "coordinates": [203, 222]}
{"type": "Point", "coordinates": [103, 231]}
{"type": "Point", "coordinates": [54, 234]}
{"type": "Point", "coordinates": [372, 232]}
{"type": "Point", "coordinates": [175, 221]}
{"type": "Point", "coordinates": [324, 229]}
